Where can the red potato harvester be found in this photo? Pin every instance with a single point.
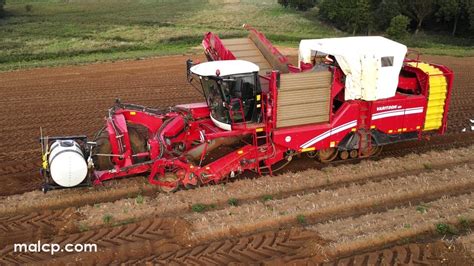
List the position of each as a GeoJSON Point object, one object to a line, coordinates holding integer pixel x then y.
{"type": "Point", "coordinates": [347, 98]}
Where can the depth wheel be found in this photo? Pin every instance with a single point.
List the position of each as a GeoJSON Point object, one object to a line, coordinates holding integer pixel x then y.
{"type": "Point", "coordinates": [379, 151]}
{"type": "Point", "coordinates": [353, 154]}
{"type": "Point", "coordinates": [344, 155]}
{"type": "Point", "coordinates": [171, 183]}
{"type": "Point", "coordinates": [373, 151]}
{"type": "Point", "coordinates": [137, 141]}
{"type": "Point", "coordinates": [327, 155]}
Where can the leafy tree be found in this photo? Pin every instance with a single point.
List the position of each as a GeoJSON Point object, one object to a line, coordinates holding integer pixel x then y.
{"type": "Point", "coordinates": [284, 3]}
{"type": "Point", "coordinates": [453, 11]}
{"type": "Point", "coordinates": [356, 16]}
{"type": "Point", "coordinates": [418, 10]}
{"type": "Point", "coordinates": [328, 10]}
{"type": "Point", "coordinates": [373, 22]}
{"type": "Point", "coordinates": [2, 3]}
{"type": "Point", "coordinates": [337, 12]}
{"type": "Point", "coordinates": [471, 15]}
{"type": "Point", "coordinates": [349, 15]}
{"type": "Point", "coordinates": [362, 17]}
{"type": "Point", "coordinates": [302, 5]}
{"type": "Point", "coordinates": [398, 27]}
{"type": "Point", "coordinates": [386, 11]}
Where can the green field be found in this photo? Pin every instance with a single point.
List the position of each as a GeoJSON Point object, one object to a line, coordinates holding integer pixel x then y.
{"type": "Point", "coordinates": [56, 32]}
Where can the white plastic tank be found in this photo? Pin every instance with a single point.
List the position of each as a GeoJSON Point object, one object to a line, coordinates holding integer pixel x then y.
{"type": "Point", "coordinates": [67, 165]}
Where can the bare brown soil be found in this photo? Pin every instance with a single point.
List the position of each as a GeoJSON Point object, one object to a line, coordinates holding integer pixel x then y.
{"type": "Point", "coordinates": [74, 100]}
{"type": "Point", "coordinates": [308, 217]}
{"type": "Point", "coordinates": [258, 230]}
{"type": "Point", "coordinates": [435, 253]}
{"type": "Point", "coordinates": [280, 186]}
{"type": "Point", "coordinates": [467, 243]}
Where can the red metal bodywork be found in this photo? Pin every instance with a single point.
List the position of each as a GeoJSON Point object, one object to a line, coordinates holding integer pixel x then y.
{"type": "Point", "coordinates": [214, 47]}
{"type": "Point", "coordinates": [173, 135]}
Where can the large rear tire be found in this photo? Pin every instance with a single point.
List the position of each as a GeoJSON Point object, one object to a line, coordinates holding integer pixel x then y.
{"type": "Point", "coordinates": [137, 141]}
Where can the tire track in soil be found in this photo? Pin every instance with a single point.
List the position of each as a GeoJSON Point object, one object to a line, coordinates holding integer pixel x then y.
{"type": "Point", "coordinates": [21, 223]}
{"type": "Point", "coordinates": [154, 229]}
{"type": "Point", "coordinates": [435, 253]}
{"type": "Point", "coordinates": [18, 218]}
{"type": "Point", "coordinates": [247, 250]}
{"type": "Point", "coordinates": [35, 225]}
{"type": "Point", "coordinates": [114, 240]}
{"type": "Point", "coordinates": [242, 249]}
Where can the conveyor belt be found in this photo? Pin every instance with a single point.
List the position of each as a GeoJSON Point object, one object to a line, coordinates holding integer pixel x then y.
{"type": "Point", "coordinates": [245, 49]}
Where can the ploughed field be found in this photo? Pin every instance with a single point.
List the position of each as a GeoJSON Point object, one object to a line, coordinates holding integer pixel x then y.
{"type": "Point", "coordinates": [387, 210]}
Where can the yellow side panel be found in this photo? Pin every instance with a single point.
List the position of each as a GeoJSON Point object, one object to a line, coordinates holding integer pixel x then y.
{"type": "Point", "coordinates": [436, 97]}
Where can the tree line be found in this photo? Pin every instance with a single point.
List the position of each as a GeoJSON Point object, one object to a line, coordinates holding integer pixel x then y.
{"type": "Point", "coordinates": [365, 16]}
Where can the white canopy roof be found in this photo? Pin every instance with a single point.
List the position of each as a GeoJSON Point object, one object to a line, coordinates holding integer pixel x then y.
{"type": "Point", "coordinates": [225, 67]}
{"type": "Point", "coordinates": [371, 64]}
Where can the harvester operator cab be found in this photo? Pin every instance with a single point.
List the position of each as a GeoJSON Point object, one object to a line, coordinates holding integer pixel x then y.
{"type": "Point", "coordinates": [230, 88]}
